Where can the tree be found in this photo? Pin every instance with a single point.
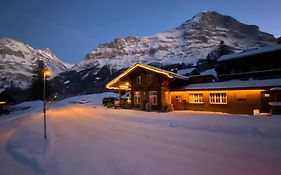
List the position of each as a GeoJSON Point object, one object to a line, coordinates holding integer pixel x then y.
{"type": "Point", "coordinates": [38, 81]}
{"type": "Point", "coordinates": [223, 49]}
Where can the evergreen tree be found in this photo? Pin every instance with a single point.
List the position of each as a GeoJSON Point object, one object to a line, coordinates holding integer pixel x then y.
{"type": "Point", "coordinates": [38, 81]}
{"type": "Point", "coordinates": [223, 49]}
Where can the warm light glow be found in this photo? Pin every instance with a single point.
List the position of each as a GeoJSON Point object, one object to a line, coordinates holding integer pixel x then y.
{"type": "Point", "coordinates": [124, 87]}
{"type": "Point", "coordinates": [47, 73]}
{"type": "Point", "coordinates": [2, 102]}
{"type": "Point", "coordinates": [115, 80]}
{"type": "Point", "coordinates": [184, 95]}
{"type": "Point", "coordinates": [266, 95]}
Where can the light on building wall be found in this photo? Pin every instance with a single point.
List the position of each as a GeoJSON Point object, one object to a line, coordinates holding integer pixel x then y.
{"type": "Point", "coordinates": [266, 95]}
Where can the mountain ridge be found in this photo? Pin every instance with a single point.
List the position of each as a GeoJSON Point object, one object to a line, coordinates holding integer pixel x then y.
{"type": "Point", "coordinates": [17, 60]}
{"type": "Point", "coordinates": [187, 43]}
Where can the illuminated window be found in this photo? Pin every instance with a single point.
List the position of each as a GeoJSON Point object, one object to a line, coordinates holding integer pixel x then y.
{"type": "Point", "coordinates": [139, 79]}
{"type": "Point", "coordinates": [195, 98]}
{"type": "Point", "coordinates": [178, 98]}
{"type": "Point", "coordinates": [137, 97]}
{"type": "Point", "coordinates": [218, 98]}
{"type": "Point", "coordinates": [153, 97]}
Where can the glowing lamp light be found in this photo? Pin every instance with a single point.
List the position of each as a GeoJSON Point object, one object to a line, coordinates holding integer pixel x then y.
{"type": "Point", "coordinates": [47, 73]}
{"type": "Point", "coordinates": [266, 95]}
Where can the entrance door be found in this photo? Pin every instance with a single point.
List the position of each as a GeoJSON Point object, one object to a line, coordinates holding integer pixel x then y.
{"type": "Point", "coordinates": [265, 99]}
{"type": "Point", "coordinates": [153, 98]}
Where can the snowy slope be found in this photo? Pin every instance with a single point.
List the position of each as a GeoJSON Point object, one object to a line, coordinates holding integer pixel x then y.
{"type": "Point", "coordinates": [17, 60]}
{"type": "Point", "coordinates": [90, 139]}
{"type": "Point", "coordinates": [188, 43]}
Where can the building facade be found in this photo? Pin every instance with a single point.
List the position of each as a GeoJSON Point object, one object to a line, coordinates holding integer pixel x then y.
{"type": "Point", "coordinates": [245, 85]}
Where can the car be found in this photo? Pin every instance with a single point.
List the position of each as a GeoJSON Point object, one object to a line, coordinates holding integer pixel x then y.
{"type": "Point", "coordinates": [83, 101]}
{"type": "Point", "coordinates": [108, 101]}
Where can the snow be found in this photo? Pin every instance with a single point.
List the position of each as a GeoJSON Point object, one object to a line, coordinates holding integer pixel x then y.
{"type": "Point", "coordinates": [66, 82]}
{"type": "Point", "coordinates": [232, 84]}
{"type": "Point", "coordinates": [1, 90]}
{"type": "Point", "coordinates": [186, 44]}
{"type": "Point", "coordinates": [251, 52]}
{"type": "Point", "coordinates": [91, 139]}
{"type": "Point", "coordinates": [185, 71]}
{"type": "Point", "coordinates": [275, 104]}
{"type": "Point", "coordinates": [17, 61]}
{"type": "Point", "coordinates": [275, 89]}
{"type": "Point", "coordinates": [210, 72]}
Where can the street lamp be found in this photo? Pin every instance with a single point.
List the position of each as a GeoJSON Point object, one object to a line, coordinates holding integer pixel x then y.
{"type": "Point", "coordinates": [46, 74]}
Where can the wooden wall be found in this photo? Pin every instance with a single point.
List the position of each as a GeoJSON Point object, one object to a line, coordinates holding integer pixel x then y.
{"type": "Point", "coordinates": [238, 101]}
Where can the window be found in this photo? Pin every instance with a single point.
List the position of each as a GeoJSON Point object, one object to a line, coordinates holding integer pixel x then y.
{"type": "Point", "coordinates": [178, 98]}
{"type": "Point", "coordinates": [149, 78]}
{"type": "Point", "coordinates": [195, 98]}
{"type": "Point", "coordinates": [139, 79]}
{"type": "Point", "coordinates": [153, 97]}
{"type": "Point", "coordinates": [137, 97]}
{"type": "Point", "coordinates": [218, 98]}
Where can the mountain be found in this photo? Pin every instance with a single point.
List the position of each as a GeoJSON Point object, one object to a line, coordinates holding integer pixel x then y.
{"type": "Point", "coordinates": [190, 43]}
{"type": "Point", "coordinates": [17, 60]}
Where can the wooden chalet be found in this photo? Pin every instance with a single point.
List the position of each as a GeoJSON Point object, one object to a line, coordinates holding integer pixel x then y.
{"type": "Point", "coordinates": [147, 85]}
{"type": "Point", "coordinates": [259, 63]}
{"type": "Point", "coordinates": [246, 83]}
{"type": "Point", "coordinates": [236, 96]}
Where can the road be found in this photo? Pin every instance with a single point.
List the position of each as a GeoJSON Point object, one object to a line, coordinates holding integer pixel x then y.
{"type": "Point", "coordinates": [86, 140]}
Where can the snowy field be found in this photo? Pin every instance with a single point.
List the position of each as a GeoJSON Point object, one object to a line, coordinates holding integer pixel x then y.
{"type": "Point", "coordinates": [89, 139]}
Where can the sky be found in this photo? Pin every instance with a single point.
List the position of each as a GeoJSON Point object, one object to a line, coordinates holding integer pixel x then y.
{"type": "Point", "coordinates": [73, 28]}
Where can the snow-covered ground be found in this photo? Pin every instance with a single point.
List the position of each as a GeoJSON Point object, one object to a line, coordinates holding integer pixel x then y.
{"type": "Point", "coordinates": [87, 138]}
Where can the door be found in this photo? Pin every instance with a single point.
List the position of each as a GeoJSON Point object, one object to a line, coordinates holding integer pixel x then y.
{"type": "Point", "coordinates": [265, 99]}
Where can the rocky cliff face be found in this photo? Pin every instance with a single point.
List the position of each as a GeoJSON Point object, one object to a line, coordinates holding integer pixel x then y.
{"type": "Point", "coordinates": [17, 61]}
{"type": "Point", "coordinates": [188, 43]}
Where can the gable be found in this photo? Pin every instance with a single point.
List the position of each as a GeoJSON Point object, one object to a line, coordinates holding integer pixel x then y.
{"type": "Point", "coordinates": [120, 81]}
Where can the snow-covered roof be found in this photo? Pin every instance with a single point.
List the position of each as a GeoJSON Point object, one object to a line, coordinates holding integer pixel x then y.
{"type": "Point", "coordinates": [235, 84]}
{"type": "Point", "coordinates": [210, 72]}
{"type": "Point", "coordinates": [186, 71]}
{"type": "Point", "coordinates": [251, 52]}
{"type": "Point", "coordinates": [1, 90]}
{"type": "Point", "coordinates": [275, 104]}
{"type": "Point", "coordinates": [276, 89]}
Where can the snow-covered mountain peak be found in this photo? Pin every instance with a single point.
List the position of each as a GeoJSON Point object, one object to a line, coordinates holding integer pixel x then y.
{"type": "Point", "coordinates": [12, 46]}
{"type": "Point", "coordinates": [191, 41]}
{"type": "Point", "coordinates": [17, 60]}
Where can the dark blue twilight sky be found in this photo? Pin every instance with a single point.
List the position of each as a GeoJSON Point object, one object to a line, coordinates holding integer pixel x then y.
{"type": "Point", "coordinates": [72, 28]}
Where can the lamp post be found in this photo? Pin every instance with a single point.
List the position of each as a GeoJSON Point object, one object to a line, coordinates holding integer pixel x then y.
{"type": "Point", "coordinates": [46, 74]}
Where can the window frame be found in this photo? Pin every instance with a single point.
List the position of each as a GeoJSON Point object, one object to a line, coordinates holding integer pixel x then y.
{"type": "Point", "coordinates": [178, 98]}
{"type": "Point", "coordinates": [137, 97]}
{"type": "Point", "coordinates": [153, 95]}
{"type": "Point", "coordinates": [196, 98]}
{"type": "Point", "coordinates": [149, 79]}
{"type": "Point", "coordinates": [218, 98]}
{"type": "Point", "coordinates": [139, 80]}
